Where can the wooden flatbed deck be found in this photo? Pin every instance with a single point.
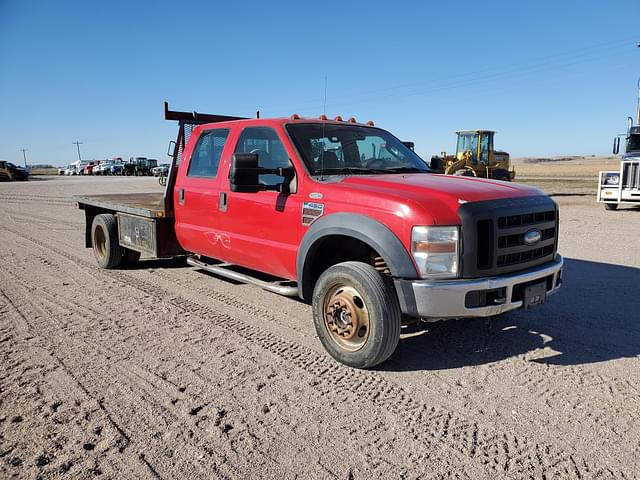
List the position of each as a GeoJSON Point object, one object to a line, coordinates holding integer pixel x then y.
{"type": "Point", "coordinates": [149, 205]}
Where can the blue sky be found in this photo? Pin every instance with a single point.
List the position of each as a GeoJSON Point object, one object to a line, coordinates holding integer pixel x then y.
{"type": "Point", "coordinates": [552, 77]}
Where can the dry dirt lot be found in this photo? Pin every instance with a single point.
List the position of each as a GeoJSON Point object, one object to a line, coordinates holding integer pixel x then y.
{"type": "Point", "coordinates": [161, 371]}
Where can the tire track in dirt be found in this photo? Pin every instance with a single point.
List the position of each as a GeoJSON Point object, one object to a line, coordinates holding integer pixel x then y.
{"type": "Point", "coordinates": [536, 379]}
{"type": "Point", "coordinates": [109, 378]}
{"type": "Point", "coordinates": [143, 380]}
{"type": "Point", "coordinates": [12, 199]}
{"type": "Point", "coordinates": [245, 309]}
{"type": "Point", "coordinates": [47, 221]}
{"type": "Point", "coordinates": [55, 299]}
{"type": "Point", "coordinates": [41, 363]}
{"type": "Point", "coordinates": [34, 196]}
{"type": "Point", "coordinates": [435, 427]}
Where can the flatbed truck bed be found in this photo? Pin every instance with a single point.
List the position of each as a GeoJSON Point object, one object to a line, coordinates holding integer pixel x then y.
{"type": "Point", "coordinates": [150, 205]}
{"type": "Point", "coordinates": [145, 225]}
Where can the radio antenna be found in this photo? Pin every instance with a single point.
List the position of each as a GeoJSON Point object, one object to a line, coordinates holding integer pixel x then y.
{"type": "Point", "coordinates": [324, 116]}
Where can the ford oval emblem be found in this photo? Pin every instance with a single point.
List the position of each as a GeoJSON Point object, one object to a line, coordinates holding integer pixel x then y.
{"type": "Point", "coordinates": [532, 236]}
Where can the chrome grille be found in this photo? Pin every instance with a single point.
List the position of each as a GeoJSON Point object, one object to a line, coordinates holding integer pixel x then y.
{"type": "Point", "coordinates": [631, 175]}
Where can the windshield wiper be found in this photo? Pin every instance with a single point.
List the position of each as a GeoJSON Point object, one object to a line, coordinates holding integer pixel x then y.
{"type": "Point", "coordinates": [407, 170]}
{"type": "Point", "coordinates": [343, 170]}
{"type": "Point", "coordinates": [368, 171]}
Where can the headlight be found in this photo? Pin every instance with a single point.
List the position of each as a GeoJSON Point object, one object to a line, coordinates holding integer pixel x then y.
{"type": "Point", "coordinates": [435, 251]}
{"type": "Point", "coordinates": [612, 178]}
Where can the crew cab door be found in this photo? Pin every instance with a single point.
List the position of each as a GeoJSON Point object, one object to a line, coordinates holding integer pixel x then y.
{"type": "Point", "coordinates": [264, 227]}
{"type": "Point", "coordinates": [197, 195]}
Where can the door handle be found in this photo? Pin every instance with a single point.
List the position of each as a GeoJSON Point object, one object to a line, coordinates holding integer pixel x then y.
{"type": "Point", "coordinates": [181, 196]}
{"type": "Point", "coordinates": [223, 202]}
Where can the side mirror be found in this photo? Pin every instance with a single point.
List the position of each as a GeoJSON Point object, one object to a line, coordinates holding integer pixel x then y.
{"type": "Point", "coordinates": [616, 145]}
{"type": "Point", "coordinates": [244, 175]}
{"type": "Point", "coordinates": [171, 149]}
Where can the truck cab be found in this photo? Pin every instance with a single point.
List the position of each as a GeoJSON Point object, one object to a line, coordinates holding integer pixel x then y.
{"type": "Point", "coordinates": [622, 187]}
{"type": "Point", "coordinates": [343, 215]}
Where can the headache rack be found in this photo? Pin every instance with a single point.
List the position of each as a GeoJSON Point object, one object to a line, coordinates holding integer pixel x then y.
{"type": "Point", "coordinates": [186, 122]}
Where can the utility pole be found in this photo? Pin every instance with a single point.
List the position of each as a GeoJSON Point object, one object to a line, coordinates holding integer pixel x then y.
{"type": "Point", "coordinates": [24, 155]}
{"type": "Point", "coordinates": [77, 144]}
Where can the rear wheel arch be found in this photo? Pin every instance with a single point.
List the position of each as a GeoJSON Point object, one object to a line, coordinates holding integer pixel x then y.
{"type": "Point", "coordinates": [346, 230]}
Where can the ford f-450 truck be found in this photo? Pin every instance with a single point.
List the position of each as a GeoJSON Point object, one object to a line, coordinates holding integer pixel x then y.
{"type": "Point", "coordinates": [344, 216]}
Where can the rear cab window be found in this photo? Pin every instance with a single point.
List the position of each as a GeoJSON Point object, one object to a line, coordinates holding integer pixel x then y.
{"type": "Point", "coordinates": [205, 158]}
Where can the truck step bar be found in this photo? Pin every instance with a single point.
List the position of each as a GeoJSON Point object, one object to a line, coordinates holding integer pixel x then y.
{"type": "Point", "coordinates": [281, 287]}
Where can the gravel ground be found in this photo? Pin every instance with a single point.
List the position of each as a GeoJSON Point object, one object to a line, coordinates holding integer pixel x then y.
{"type": "Point", "coordinates": [161, 371]}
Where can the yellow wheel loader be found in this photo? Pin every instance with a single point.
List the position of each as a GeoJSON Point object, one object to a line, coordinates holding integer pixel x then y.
{"type": "Point", "coordinates": [475, 157]}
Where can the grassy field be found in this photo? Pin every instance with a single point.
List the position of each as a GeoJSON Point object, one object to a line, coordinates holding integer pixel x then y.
{"type": "Point", "coordinates": [44, 171]}
{"type": "Point", "coordinates": [564, 175]}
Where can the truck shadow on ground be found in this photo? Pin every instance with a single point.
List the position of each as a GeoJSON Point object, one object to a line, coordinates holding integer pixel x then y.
{"type": "Point", "coordinates": [593, 318]}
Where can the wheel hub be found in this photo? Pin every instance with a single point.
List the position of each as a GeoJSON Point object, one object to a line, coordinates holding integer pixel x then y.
{"type": "Point", "coordinates": [347, 318]}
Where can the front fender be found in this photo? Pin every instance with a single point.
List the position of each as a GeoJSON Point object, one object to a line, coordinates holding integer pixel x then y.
{"type": "Point", "coordinates": [375, 234]}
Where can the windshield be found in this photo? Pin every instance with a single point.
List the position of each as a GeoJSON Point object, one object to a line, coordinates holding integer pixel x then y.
{"type": "Point", "coordinates": [468, 142]}
{"type": "Point", "coordinates": [634, 143]}
{"type": "Point", "coordinates": [352, 150]}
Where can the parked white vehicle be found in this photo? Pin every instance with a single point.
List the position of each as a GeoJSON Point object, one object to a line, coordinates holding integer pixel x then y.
{"type": "Point", "coordinates": [160, 170]}
{"type": "Point", "coordinates": [76, 168]}
{"type": "Point", "coordinates": [102, 168]}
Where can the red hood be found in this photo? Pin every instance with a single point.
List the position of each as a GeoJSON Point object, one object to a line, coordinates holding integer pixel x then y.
{"type": "Point", "coordinates": [457, 188]}
{"type": "Point", "coordinates": [425, 198]}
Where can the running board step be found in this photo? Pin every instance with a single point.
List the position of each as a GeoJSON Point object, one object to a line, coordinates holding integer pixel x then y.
{"type": "Point", "coordinates": [282, 287]}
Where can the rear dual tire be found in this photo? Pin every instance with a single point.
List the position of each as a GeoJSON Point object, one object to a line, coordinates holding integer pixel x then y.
{"type": "Point", "coordinates": [356, 314]}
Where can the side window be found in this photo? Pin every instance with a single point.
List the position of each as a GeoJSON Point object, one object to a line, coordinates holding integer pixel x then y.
{"type": "Point", "coordinates": [271, 153]}
{"type": "Point", "coordinates": [206, 154]}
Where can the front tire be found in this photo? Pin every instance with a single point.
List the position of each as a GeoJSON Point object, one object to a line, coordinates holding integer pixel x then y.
{"type": "Point", "coordinates": [611, 206]}
{"type": "Point", "coordinates": [356, 314]}
{"type": "Point", "coordinates": [104, 238]}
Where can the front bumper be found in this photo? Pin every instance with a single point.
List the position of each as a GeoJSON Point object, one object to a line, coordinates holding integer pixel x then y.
{"type": "Point", "coordinates": [452, 298]}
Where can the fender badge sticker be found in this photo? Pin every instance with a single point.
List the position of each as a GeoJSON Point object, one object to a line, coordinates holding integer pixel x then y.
{"type": "Point", "coordinates": [311, 211]}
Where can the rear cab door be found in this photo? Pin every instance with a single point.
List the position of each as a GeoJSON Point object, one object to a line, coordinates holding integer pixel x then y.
{"type": "Point", "coordinates": [197, 192]}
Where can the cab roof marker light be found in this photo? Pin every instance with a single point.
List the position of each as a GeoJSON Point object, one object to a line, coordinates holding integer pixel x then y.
{"type": "Point", "coordinates": [370, 123]}
{"type": "Point", "coordinates": [295, 116]}
{"type": "Point", "coordinates": [338, 118]}
{"type": "Point", "coordinates": [352, 120]}
{"type": "Point", "coordinates": [323, 117]}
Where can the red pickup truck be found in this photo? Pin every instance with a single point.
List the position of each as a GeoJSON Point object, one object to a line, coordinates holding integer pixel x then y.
{"type": "Point", "coordinates": [343, 215]}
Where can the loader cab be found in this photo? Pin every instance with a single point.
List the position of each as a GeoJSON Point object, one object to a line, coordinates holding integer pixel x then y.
{"type": "Point", "coordinates": [478, 142]}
